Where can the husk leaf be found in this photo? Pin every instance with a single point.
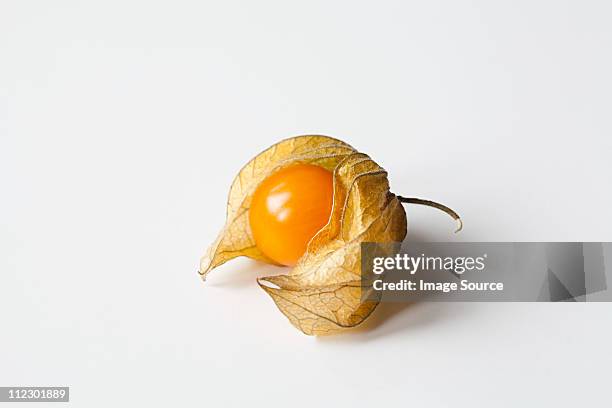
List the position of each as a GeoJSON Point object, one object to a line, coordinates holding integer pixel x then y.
{"type": "Point", "coordinates": [323, 293]}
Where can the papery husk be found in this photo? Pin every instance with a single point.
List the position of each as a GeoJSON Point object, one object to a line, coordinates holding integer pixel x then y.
{"type": "Point", "coordinates": [323, 293]}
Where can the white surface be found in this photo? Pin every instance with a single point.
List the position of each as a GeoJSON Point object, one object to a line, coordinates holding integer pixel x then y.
{"type": "Point", "coordinates": [122, 124]}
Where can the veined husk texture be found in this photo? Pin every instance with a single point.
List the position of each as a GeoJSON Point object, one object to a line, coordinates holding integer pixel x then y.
{"type": "Point", "coordinates": [322, 294]}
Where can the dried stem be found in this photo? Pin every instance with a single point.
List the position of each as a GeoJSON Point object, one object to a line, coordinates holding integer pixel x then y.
{"type": "Point", "coordinates": [429, 203]}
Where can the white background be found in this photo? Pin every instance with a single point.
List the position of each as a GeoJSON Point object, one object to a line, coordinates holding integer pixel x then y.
{"type": "Point", "coordinates": [122, 124]}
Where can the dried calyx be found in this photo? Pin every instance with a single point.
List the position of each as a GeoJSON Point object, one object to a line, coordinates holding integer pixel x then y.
{"type": "Point", "coordinates": [322, 294]}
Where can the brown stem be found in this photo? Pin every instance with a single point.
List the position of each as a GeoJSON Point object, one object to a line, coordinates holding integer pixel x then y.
{"type": "Point", "coordinates": [429, 203]}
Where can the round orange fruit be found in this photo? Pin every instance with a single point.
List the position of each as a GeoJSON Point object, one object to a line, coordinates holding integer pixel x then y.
{"type": "Point", "coordinates": [288, 209]}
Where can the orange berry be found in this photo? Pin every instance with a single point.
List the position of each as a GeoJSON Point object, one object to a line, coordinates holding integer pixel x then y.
{"type": "Point", "coordinates": [289, 208]}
